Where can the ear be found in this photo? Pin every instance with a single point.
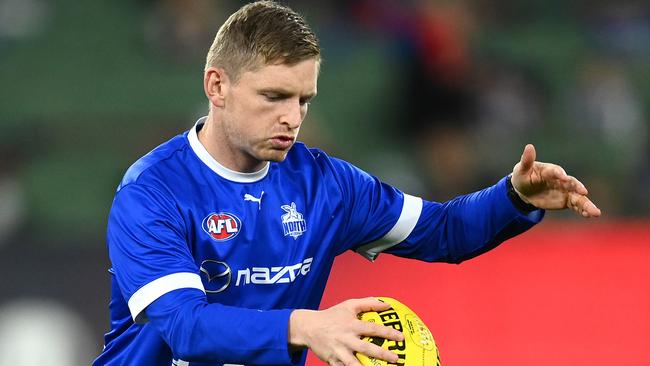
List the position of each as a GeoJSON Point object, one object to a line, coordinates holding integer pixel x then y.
{"type": "Point", "coordinates": [215, 85]}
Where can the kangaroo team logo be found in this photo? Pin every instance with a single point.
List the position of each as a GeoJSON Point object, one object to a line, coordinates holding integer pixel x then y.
{"type": "Point", "coordinates": [221, 226]}
{"type": "Point", "coordinates": [292, 222]}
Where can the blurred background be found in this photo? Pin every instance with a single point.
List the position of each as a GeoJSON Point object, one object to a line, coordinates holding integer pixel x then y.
{"type": "Point", "coordinates": [437, 97]}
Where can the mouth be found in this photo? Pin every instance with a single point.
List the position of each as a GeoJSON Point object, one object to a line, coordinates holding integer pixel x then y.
{"type": "Point", "coordinates": [282, 141]}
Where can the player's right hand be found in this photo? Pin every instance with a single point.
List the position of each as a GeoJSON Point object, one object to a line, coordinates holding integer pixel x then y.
{"type": "Point", "coordinates": [334, 334]}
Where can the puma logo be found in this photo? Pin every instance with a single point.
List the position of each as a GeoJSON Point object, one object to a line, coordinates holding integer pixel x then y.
{"type": "Point", "coordinates": [248, 197]}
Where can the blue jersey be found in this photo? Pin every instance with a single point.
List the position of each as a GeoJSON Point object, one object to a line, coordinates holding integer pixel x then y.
{"type": "Point", "coordinates": [208, 263]}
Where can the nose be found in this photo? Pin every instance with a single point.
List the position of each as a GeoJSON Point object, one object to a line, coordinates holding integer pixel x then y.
{"type": "Point", "coordinates": [294, 115]}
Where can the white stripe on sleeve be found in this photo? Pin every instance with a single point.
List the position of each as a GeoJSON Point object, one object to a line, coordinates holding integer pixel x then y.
{"type": "Point", "coordinates": [158, 287]}
{"type": "Point", "coordinates": [407, 220]}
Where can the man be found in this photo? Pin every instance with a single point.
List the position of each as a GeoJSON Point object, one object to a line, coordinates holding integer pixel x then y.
{"type": "Point", "coordinates": [222, 238]}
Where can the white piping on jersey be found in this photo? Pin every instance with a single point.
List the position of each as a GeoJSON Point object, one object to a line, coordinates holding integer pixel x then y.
{"type": "Point", "coordinates": [411, 210]}
{"type": "Point", "coordinates": [158, 287]}
{"type": "Point", "coordinates": [180, 362]}
{"type": "Point", "coordinates": [214, 165]}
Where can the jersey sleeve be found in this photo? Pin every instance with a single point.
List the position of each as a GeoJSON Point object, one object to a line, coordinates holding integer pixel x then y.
{"type": "Point", "coordinates": [147, 248]}
{"type": "Point", "coordinates": [465, 227]}
{"type": "Point", "coordinates": [217, 333]}
{"type": "Point", "coordinates": [377, 215]}
{"type": "Point", "coordinates": [380, 218]}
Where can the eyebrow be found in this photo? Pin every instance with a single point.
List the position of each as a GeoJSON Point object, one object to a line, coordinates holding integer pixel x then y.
{"type": "Point", "coordinates": [285, 92]}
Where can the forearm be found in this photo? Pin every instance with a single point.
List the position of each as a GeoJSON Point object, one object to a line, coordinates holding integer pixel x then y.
{"type": "Point", "coordinates": [198, 331]}
{"type": "Point", "coordinates": [466, 226]}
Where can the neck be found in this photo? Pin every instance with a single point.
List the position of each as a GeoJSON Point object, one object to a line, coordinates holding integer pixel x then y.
{"type": "Point", "coordinates": [214, 139]}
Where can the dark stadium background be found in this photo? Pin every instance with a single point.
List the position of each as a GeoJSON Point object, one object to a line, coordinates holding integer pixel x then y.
{"type": "Point", "coordinates": [436, 97]}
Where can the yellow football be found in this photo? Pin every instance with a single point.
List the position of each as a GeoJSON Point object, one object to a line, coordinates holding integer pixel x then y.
{"type": "Point", "coordinates": [418, 347]}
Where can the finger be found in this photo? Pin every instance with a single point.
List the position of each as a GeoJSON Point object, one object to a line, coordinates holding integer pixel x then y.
{"type": "Point", "coordinates": [564, 181]}
{"type": "Point", "coordinates": [368, 304]}
{"type": "Point", "coordinates": [568, 183]}
{"type": "Point", "coordinates": [556, 177]}
{"type": "Point", "coordinates": [583, 205]}
{"type": "Point", "coordinates": [348, 359]}
{"type": "Point", "coordinates": [372, 350]}
{"type": "Point", "coordinates": [527, 158]}
{"type": "Point", "coordinates": [369, 329]}
{"type": "Point", "coordinates": [574, 185]}
{"type": "Point", "coordinates": [553, 172]}
{"type": "Point", "coordinates": [576, 201]}
{"type": "Point", "coordinates": [591, 210]}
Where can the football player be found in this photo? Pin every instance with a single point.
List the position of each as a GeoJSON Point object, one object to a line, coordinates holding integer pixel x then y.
{"type": "Point", "coordinates": [222, 239]}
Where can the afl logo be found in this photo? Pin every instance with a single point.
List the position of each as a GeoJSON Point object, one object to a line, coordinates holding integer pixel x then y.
{"type": "Point", "coordinates": [221, 226]}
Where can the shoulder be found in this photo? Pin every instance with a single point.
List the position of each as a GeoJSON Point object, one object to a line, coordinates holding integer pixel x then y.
{"type": "Point", "coordinates": [154, 182]}
{"type": "Point", "coordinates": [155, 163]}
{"type": "Point", "coordinates": [315, 162]}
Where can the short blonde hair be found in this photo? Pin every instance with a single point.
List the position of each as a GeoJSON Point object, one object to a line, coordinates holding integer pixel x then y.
{"type": "Point", "coordinates": [262, 33]}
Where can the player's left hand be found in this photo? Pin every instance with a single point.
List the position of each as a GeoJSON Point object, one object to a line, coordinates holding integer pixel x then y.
{"type": "Point", "coordinates": [548, 186]}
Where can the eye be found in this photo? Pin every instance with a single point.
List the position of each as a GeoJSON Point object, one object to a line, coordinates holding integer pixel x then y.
{"type": "Point", "coordinates": [273, 97]}
{"type": "Point", "coordinates": [304, 102]}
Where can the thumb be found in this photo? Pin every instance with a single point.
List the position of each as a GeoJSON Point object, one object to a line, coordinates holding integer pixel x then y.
{"type": "Point", "coordinates": [527, 158]}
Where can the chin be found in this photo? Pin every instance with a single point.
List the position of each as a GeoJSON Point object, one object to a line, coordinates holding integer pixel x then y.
{"type": "Point", "coordinates": [269, 153]}
{"type": "Point", "coordinates": [275, 156]}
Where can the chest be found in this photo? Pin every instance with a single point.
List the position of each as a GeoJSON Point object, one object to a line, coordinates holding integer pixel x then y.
{"type": "Point", "coordinates": [252, 222]}
{"type": "Point", "coordinates": [259, 238]}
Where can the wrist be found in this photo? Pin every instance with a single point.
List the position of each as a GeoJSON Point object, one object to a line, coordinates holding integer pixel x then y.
{"type": "Point", "coordinates": [298, 328]}
{"type": "Point", "coordinates": [517, 198]}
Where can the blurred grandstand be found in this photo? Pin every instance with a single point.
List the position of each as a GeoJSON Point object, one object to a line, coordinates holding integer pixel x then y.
{"type": "Point", "coordinates": [436, 97]}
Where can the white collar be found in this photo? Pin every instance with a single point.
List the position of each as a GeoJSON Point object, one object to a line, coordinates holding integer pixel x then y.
{"type": "Point", "coordinates": [221, 170]}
